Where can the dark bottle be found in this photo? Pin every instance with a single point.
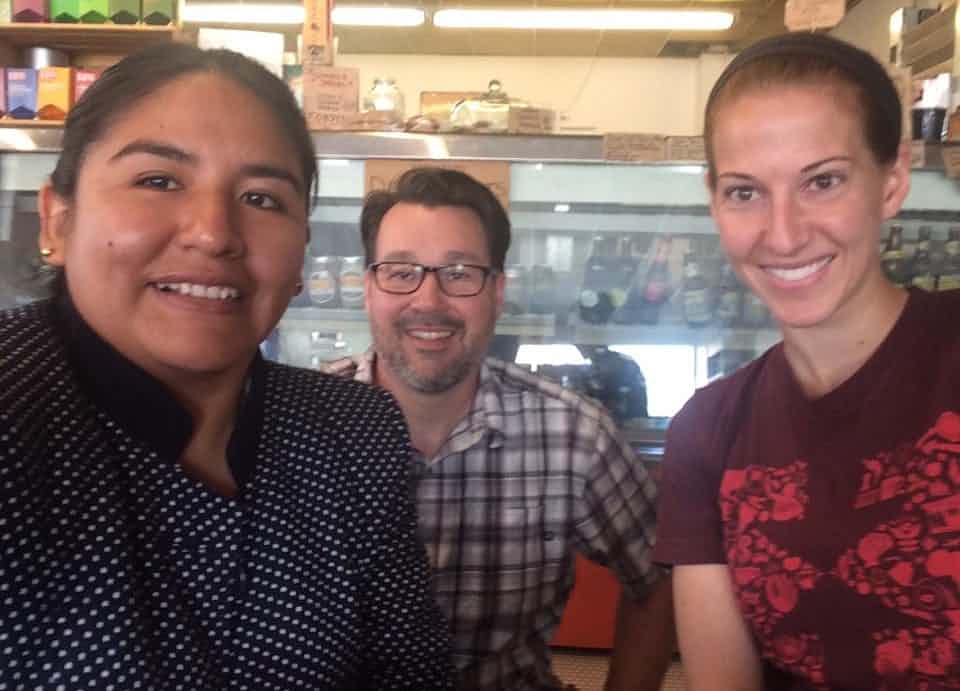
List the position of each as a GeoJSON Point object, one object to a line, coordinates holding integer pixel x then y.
{"type": "Point", "coordinates": [923, 276]}
{"type": "Point", "coordinates": [949, 278]}
{"type": "Point", "coordinates": [894, 259]}
{"type": "Point", "coordinates": [696, 293]}
{"type": "Point", "coordinates": [729, 297]}
{"type": "Point", "coordinates": [595, 300]}
{"type": "Point", "coordinates": [924, 234]}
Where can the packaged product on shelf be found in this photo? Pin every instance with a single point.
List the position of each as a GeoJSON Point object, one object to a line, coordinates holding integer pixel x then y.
{"type": "Point", "coordinates": [94, 11]}
{"type": "Point", "coordinates": [30, 11]}
{"type": "Point", "coordinates": [322, 283]}
{"type": "Point", "coordinates": [158, 12]}
{"type": "Point", "coordinates": [53, 93]}
{"type": "Point", "coordinates": [21, 93]}
{"type": "Point", "coordinates": [82, 80]}
{"type": "Point", "coordinates": [65, 11]}
{"type": "Point", "coordinates": [124, 11]}
{"type": "Point", "coordinates": [351, 282]}
{"type": "Point", "coordinates": [6, 14]}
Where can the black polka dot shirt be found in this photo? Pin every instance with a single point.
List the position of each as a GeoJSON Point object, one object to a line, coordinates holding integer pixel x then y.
{"type": "Point", "coordinates": [118, 571]}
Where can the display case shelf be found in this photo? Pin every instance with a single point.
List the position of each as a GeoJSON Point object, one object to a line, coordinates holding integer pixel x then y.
{"type": "Point", "coordinates": [672, 334]}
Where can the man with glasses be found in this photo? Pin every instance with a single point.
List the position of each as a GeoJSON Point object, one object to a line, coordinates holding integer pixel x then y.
{"type": "Point", "coordinates": [514, 473]}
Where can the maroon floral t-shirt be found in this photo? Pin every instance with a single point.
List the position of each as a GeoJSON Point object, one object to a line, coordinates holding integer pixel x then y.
{"type": "Point", "coordinates": [839, 517]}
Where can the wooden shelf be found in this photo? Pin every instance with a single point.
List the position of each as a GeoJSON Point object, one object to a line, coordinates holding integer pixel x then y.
{"type": "Point", "coordinates": [89, 38]}
{"type": "Point", "coordinates": [33, 124]}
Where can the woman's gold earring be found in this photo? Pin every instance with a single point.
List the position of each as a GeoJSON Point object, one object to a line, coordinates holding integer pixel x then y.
{"type": "Point", "coordinates": [46, 252]}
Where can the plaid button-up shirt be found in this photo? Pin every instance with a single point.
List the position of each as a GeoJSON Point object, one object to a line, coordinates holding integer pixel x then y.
{"type": "Point", "coordinates": [533, 474]}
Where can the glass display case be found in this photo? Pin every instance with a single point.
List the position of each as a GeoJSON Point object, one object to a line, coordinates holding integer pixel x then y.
{"type": "Point", "coordinates": [616, 282]}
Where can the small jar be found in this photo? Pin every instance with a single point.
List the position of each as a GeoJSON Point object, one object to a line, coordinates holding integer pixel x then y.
{"type": "Point", "coordinates": [323, 282]}
{"type": "Point", "coordinates": [351, 282]}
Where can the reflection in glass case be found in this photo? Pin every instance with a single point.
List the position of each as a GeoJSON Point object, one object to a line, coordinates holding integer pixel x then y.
{"type": "Point", "coordinates": [616, 283]}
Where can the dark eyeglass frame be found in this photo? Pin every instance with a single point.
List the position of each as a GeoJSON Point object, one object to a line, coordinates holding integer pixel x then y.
{"type": "Point", "coordinates": [425, 269]}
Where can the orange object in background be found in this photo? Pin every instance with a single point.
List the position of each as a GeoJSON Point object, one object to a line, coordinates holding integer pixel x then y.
{"type": "Point", "coordinates": [590, 617]}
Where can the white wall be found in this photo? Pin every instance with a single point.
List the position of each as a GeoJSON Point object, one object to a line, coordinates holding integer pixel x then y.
{"type": "Point", "coordinates": [663, 95]}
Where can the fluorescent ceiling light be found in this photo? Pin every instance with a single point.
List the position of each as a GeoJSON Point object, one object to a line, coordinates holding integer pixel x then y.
{"type": "Point", "coordinates": [355, 15]}
{"type": "Point", "coordinates": [230, 13]}
{"type": "Point", "coordinates": [597, 20]}
{"type": "Point", "coordinates": [224, 13]}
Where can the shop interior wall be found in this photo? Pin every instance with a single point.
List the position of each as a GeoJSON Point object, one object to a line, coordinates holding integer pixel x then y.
{"type": "Point", "coordinates": [663, 95]}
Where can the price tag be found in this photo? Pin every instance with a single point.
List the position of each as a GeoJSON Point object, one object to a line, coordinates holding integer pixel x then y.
{"type": "Point", "coordinates": [627, 146]}
{"type": "Point", "coordinates": [807, 15]}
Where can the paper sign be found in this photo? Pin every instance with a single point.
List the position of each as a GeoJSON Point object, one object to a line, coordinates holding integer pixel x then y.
{"type": "Point", "coordinates": [951, 160]}
{"type": "Point", "coordinates": [380, 173]}
{"type": "Point", "coordinates": [807, 15]}
{"type": "Point", "coordinates": [329, 93]}
{"type": "Point", "coordinates": [626, 146]}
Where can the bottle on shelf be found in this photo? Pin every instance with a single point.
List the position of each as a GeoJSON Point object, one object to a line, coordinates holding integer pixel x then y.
{"type": "Point", "coordinates": [627, 267]}
{"type": "Point", "coordinates": [924, 242]}
{"type": "Point", "coordinates": [949, 278]}
{"type": "Point", "coordinates": [650, 290]}
{"type": "Point", "coordinates": [696, 293]}
{"type": "Point", "coordinates": [894, 259]}
{"type": "Point", "coordinates": [729, 297]}
{"type": "Point", "coordinates": [322, 282]}
{"type": "Point", "coordinates": [923, 276]}
{"type": "Point", "coordinates": [595, 300]}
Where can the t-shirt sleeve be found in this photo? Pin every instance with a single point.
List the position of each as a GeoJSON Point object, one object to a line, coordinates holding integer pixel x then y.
{"type": "Point", "coordinates": [689, 530]}
{"type": "Point", "coordinates": [617, 512]}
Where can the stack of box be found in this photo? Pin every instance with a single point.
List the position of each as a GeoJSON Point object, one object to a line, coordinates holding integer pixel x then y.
{"type": "Point", "coordinates": [46, 93]}
{"type": "Point", "coordinates": [152, 12]}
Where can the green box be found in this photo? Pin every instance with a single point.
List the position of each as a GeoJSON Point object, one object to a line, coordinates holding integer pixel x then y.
{"type": "Point", "coordinates": [158, 12]}
{"type": "Point", "coordinates": [93, 11]}
{"type": "Point", "coordinates": [124, 11]}
{"type": "Point", "coordinates": [65, 11]}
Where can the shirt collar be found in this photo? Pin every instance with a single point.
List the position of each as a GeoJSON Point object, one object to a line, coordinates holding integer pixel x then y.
{"type": "Point", "coordinates": [486, 412]}
{"type": "Point", "coordinates": [143, 406]}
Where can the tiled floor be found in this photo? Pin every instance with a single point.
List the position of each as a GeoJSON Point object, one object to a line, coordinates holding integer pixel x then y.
{"type": "Point", "coordinates": [587, 670]}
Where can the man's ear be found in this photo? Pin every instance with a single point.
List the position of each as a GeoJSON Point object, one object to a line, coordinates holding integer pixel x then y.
{"type": "Point", "coordinates": [54, 225]}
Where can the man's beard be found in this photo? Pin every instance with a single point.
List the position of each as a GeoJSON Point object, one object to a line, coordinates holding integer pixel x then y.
{"type": "Point", "coordinates": [387, 344]}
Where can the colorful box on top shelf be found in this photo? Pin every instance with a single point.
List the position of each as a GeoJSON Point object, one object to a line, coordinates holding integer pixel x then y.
{"type": "Point", "coordinates": [82, 80]}
{"type": "Point", "coordinates": [65, 11]}
{"type": "Point", "coordinates": [30, 11]}
{"type": "Point", "coordinates": [158, 12]}
{"type": "Point", "coordinates": [124, 11]}
{"type": "Point", "coordinates": [94, 11]}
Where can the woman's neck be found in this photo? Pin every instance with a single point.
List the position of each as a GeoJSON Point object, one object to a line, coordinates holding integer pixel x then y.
{"type": "Point", "coordinates": [824, 356]}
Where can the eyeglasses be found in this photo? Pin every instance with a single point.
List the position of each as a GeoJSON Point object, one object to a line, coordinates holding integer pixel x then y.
{"type": "Point", "coordinates": [456, 280]}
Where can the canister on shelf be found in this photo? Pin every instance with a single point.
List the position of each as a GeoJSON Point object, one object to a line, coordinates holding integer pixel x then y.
{"type": "Point", "coordinates": [39, 57]}
{"type": "Point", "coordinates": [351, 282]}
{"type": "Point", "coordinates": [323, 282]}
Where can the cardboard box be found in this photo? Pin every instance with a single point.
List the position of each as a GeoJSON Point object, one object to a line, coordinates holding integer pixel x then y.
{"type": "Point", "coordinates": [53, 93]}
{"type": "Point", "coordinates": [330, 96]}
{"type": "Point", "coordinates": [531, 120]}
{"type": "Point", "coordinates": [21, 92]}
{"type": "Point", "coordinates": [686, 149]}
{"type": "Point", "coordinates": [630, 146]}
